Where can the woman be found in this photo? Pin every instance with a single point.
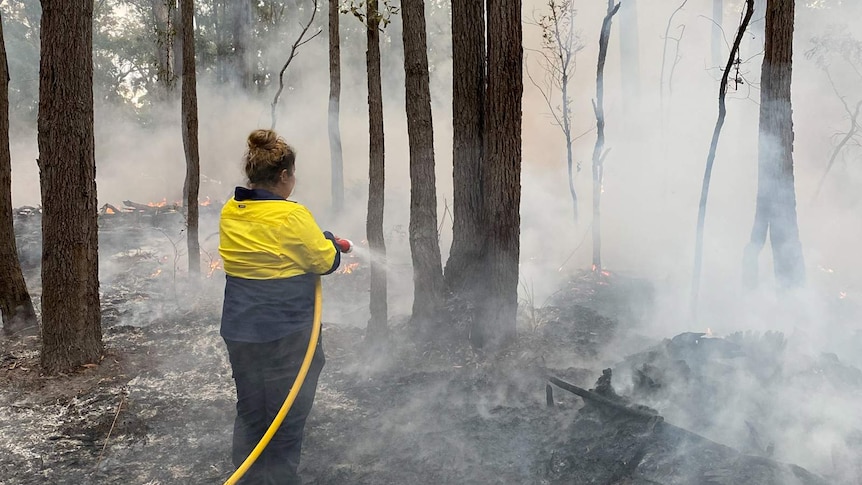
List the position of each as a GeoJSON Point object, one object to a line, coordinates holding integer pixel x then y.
{"type": "Point", "coordinates": [273, 252]}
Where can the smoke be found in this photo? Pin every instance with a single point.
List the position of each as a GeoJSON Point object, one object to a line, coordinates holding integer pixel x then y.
{"type": "Point", "coordinates": [652, 177]}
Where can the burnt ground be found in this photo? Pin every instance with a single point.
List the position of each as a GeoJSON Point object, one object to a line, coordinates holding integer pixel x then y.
{"type": "Point", "coordinates": [158, 409]}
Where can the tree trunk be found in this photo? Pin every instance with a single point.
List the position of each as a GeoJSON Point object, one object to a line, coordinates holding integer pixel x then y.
{"type": "Point", "coordinates": [221, 44]}
{"type": "Point", "coordinates": [776, 192]}
{"type": "Point", "coordinates": [463, 269]}
{"type": "Point", "coordinates": [191, 187]}
{"type": "Point", "coordinates": [495, 325]}
{"type": "Point", "coordinates": [242, 21]}
{"type": "Point", "coordinates": [567, 132]}
{"type": "Point", "coordinates": [629, 57]}
{"type": "Point", "coordinates": [335, 108]}
{"type": "Point", "coordinates": [377, 324]}
{"type": "Point", "coordinates": [710, 159]}
{"type": "Point", "coordinates": [717, 33]}
{"type": "Point", "coordinates": [163, 18]}
{"type": "Point", "coordinates": [598, 150]}
{"type": "Point", "coordinates": [16, 308]}
{"type": "Point", "coordinates": [178, 39]}
{"type": "Point", "coordinates": [71, 316]}
{"type": "Point", "coordinates": [424, 243]}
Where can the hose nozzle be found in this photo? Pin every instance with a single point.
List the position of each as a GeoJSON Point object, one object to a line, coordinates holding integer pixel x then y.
{"type": "Point", "coordinates": [344, 245]}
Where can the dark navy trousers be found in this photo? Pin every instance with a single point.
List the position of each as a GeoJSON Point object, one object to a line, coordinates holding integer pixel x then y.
{"type": "Point", "coordinates": [264, 374]}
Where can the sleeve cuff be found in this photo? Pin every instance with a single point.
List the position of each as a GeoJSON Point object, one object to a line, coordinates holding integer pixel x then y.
{"type": "Point", "coordinates": [337, 260]}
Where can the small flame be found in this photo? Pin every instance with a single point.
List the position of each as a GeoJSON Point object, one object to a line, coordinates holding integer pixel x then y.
{"type": "Point", "coordinates": [842, 295]}
{"type": "Point", "coordinates": [163, 203]}
{"type": "Point", "coordinates": [349, 268]}
{"type": "Point", "coordinates": [109, 211]}
{"type": "Point", "coordinates": [595, 268]}
{"type": "Point", "coordinates": [158, 272]}
{"type": "Point", "coordinates": [214, 265]}
{"type": "Point", "coordinates": [206, 202]}
{"type": "Point", "coordinates": [709, 332]}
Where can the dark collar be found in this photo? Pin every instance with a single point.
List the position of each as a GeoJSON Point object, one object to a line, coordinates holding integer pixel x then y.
{"type": "Point", "coordinates": [242, 193]}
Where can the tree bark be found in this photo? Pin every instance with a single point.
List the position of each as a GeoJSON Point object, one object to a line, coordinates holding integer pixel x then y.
{"type": "Point", "coordinates": [242, 50]}
{"type": "Point", "coordinates": [598, 150]}
{"type": "Point", "coordinates": [16, 307]}
{"type": "Point", "coordinates": [191, 187]}
{"type": "Point", "coordinates": [377, 324]}
{"type": "Point", "coordinates": [495, 325]}
{"type": "Point", "coordinates": [163, 18]}
{"type": "Point", "coordinates": [335, 153]}
{"type": "Point", "coordinates": [463, 268]}
{"type": "Point", "coordinates": [424, 243]}
{"type": "Point", "coordinates": [776, 192]}
{"type": "Point", "coordinates": [178, 39]}
{"type": "Point", "coordinates": [71, 316]}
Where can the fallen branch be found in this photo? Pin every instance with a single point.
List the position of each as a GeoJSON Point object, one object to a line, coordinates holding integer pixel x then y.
{"type": "Point", "coordinates": [151, 208]}
{"type": "Point", "coordinates": [654, 420]}
{"type": "Point", "coordinates": [596, 398]}
{"type": "Point", "coordinates": [300, 41]}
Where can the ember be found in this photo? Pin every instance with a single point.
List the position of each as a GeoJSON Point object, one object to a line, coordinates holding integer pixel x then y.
{"type": "Point", "coordinates": [214, 265]}
{"type": "Point", "coordinates": [348, 268]}
{"type": "Point", "coordinates": [163, 203]}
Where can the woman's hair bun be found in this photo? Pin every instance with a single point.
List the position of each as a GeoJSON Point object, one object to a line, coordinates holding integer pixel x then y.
{"type": "Point", "coordinates": [263, 139]}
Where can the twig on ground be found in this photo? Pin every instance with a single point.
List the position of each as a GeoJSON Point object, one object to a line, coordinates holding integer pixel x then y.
{"type": "Point", "coordinates": [113, 424]}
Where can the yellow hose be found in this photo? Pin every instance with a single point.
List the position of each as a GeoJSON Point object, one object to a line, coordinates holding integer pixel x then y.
{"type": "Point", "coordinates": [291, 396]}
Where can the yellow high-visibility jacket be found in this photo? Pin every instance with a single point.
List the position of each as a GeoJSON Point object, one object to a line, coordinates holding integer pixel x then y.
{"type": "Point", "coordinates": [272, 249]}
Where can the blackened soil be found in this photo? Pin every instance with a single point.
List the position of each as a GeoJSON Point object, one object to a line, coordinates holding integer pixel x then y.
{"type": "Point", "coordinates": [158, 408]}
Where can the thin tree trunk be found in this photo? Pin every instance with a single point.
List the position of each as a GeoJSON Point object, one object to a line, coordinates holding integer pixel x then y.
{"type": "Point", "coordinates": [377, 324]}
{"type": "Point", "coordinates": [463, 268]}
{"type": "Point", "coordinates": [710, 159]}
{"type": "Point", "coordinates": [163, 18]}
{"type": "Point", "coordinates": [71, 316]}
{"type": "Point", "coordinates": [566, 54]}
{"type": "Point", "coordinates": [598, 150]}
{"type": "Point", "coordinates": [776, 191]}
{"type": "Point", "coordinates": [495, 325]}
{"type": "Point", "coordinates": [424, 244]}
{"type": "Point", "coordinates": [717, 33]}
{"type": "Point", "coordinates": [177, 40]}
{"type": "Point", "coordinates": [242, 23]}
{"type": "Point", "coordinates": [629, 57]}
{"type": "Point", "coordinates": [16, 308]}
{"type": "Point", "coordinates": [335, 109]}
{"type": "Point", "coordinates": [191, 187]}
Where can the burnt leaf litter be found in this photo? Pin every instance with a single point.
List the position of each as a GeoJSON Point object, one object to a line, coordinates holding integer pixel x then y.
{"type": "Point", "coordinates": [158, 408]}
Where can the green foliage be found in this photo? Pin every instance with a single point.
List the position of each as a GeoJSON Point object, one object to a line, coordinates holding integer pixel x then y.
{"type": "Point", "coordinates": [127, 42]}
{"type": "Point", "coordinates": [360, 11]}
{"type": "Point", "coordinates": [21, 30]}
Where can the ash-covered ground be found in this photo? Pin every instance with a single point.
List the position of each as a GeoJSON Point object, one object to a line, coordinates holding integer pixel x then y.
{"type": "Point", "coordinates": [159, 407]}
